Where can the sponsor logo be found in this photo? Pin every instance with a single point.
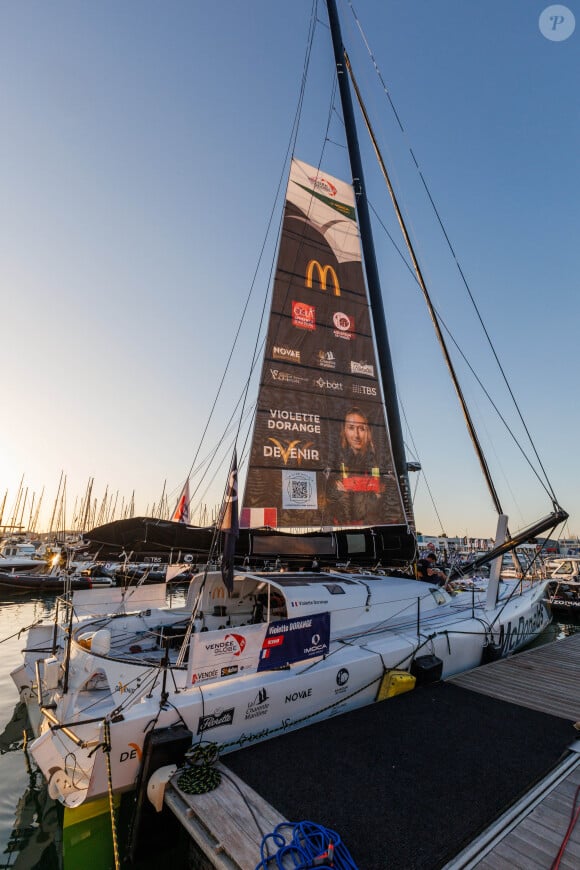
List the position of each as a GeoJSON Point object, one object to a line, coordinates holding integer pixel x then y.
{"type": "Point", "coordinates": [513, 636]}
{"type": "Point", "coordinates": [362, 368]}
{"type": "Point", "coordinates": [316, 647]}
{"type": "Point", "coordinates": [342, 678]}
{"type": "Point", "coordinates": [126, 689]}
{"type": "Point", "coordinates": [298, 696]}
{"type": "Point", "coordinates": [344, 325]}
{"type": "Point", "coordinates": [251, 738]}
{"type": "Point", "coordinates": [364, 390]}
{"type": "Point", "coordinates": [324, 273]}
{"type": "Point", "coordinates": [258, 706]}
{"type": "Point", "coordinates": [229, 671]}
{"type": "Point", "coordinates": [291, 451]}
{"type": "Point", "coordinates": [232, 644]}
{"type": "Point", "coordinates": [326, 359]}
{"type": "Point", "coordinates": [303, 316]}
{"type": "Point", "coordinates": [286, 353]}
{"type": "Point", "coordinates": [208, 674]}
{"type": "Point", "coordinates": [325, 384]}
{"type": "Point", "coordinates": [291, 421]}
{"type": "Point", "coordinates": [215, 720]}
{"type": "Point", "coordinates": [135, 753]}
{"type": "Point", "coordinates": [322, 185]}
{"type": "Point", "coordinates": [287, 378]}
{"type": "Point", "coordinates": [275, 640]}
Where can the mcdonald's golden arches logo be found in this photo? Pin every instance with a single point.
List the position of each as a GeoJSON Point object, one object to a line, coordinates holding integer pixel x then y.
{"type": "Point", "coordinates": [324, 273]}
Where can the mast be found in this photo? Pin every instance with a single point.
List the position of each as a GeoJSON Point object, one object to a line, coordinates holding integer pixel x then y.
{"type": "Point", "coordinates": [370, 264]}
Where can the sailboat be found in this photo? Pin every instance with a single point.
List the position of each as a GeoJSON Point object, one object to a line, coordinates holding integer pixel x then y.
{"type": "Point", "coordinates": [294, 626]}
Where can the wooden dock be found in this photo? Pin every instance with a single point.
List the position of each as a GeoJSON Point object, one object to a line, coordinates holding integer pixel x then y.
{"type": "Point", "coordinates": [228, 824]}
{"type": "Point", "coordinates": [546, 678]}
{"type": "Point", "coordinates": [529, 836]}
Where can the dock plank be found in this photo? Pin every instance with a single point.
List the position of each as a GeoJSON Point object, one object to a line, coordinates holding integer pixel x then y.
{"type": "Point", "coordinates": [535, 841]}
{"type": "Point", "coordinates": [505, 855]}
{"type": "Point", "coordinates": [240, 815]}
{"type": "Point", "coordinates": [544, 679]}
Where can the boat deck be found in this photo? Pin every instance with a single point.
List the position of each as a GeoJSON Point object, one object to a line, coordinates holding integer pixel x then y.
{"type": "Point", "coordinates": [415, 781]}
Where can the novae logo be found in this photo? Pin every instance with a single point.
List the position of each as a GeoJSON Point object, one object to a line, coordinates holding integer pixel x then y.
{"type": "Point", "coordinates": [286, 353]}
{"type": "Point", "coordinates": [298, 696]}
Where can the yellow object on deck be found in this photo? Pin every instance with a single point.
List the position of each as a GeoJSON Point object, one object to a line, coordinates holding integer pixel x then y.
{"type": "Point", "coordinates": [395, 683]}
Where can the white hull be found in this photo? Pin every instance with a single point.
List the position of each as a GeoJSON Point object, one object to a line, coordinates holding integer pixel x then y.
{"type": "Point", "coordinates": [223, 695]}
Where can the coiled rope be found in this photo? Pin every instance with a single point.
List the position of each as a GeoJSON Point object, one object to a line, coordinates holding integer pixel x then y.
{"type": "Point", "coordinates": [308, 845]}
{"type": "Point", "coordinates": [200, 775]}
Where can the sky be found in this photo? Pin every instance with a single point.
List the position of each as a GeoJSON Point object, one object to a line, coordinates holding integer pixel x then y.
{"type": "Point", "coordinates": [144, 149]}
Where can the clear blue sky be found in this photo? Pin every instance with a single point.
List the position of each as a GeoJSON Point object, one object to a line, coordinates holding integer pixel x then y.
{"type": "Point", "coordinates": [142, 146]}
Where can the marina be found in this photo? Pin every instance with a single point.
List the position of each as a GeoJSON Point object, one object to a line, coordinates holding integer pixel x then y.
{"type": "Point", "coordinates": [313, 601]}
{"type": "Point", "coordinates": [298, 669]}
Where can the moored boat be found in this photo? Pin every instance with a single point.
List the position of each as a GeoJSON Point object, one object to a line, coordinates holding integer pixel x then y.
{"type": "Point", "coordinates": [52, 582]}
{"type": "Point", "coordinates": [20, 557]}
{"type": "Point", "coordinates": [280, 651]}
{"type": "Point", "coordinates": [257, 652]}
{"type": "Point", "coordinates": [563, 592]}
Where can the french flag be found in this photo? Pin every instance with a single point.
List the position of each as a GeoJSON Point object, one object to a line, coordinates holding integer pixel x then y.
{"type": "Point", "coordinates": [255, 518]}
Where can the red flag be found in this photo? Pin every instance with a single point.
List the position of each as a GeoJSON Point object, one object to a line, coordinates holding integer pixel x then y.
{"type": "Point", "coordinates": [181, 513]}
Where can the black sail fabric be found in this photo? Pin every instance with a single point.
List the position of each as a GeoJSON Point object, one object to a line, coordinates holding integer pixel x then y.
{"type": "Point", "coordinates": [319, 372]}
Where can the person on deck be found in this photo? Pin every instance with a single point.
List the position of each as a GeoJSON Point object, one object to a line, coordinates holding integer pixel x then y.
{"type": "Point", "coordinates": [428, 571]}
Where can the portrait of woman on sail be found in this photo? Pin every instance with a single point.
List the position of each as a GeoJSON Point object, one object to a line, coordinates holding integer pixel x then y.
{"type": "Point", "coordinates": [357, 486]}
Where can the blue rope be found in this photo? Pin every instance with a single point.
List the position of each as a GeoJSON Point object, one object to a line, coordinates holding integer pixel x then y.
{"type": "Point", "coordinates": [308, 845]}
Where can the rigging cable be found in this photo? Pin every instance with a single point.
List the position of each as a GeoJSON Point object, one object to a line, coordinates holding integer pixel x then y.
{"type": "Point", "coordinates": [450, 246]}
{"type": "Point", "coordinates": [466, 414]}
{"type": "Point", "coordinates": [416, 453]}
{"type": "Point", "coordinates": [289, 150]}
{"type": "Point", "coordinates": [547, 488]}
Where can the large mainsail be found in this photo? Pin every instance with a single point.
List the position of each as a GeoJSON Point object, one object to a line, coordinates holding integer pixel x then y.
{"type": "Point", "coordinates": [321, 453]}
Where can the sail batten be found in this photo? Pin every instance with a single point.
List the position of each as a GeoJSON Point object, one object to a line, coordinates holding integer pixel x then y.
{"type": "Point", "coordinates": [321, 454]}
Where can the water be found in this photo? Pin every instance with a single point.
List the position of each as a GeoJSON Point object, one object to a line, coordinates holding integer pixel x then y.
{"type": "Point", "coordinates": [31, 825]}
